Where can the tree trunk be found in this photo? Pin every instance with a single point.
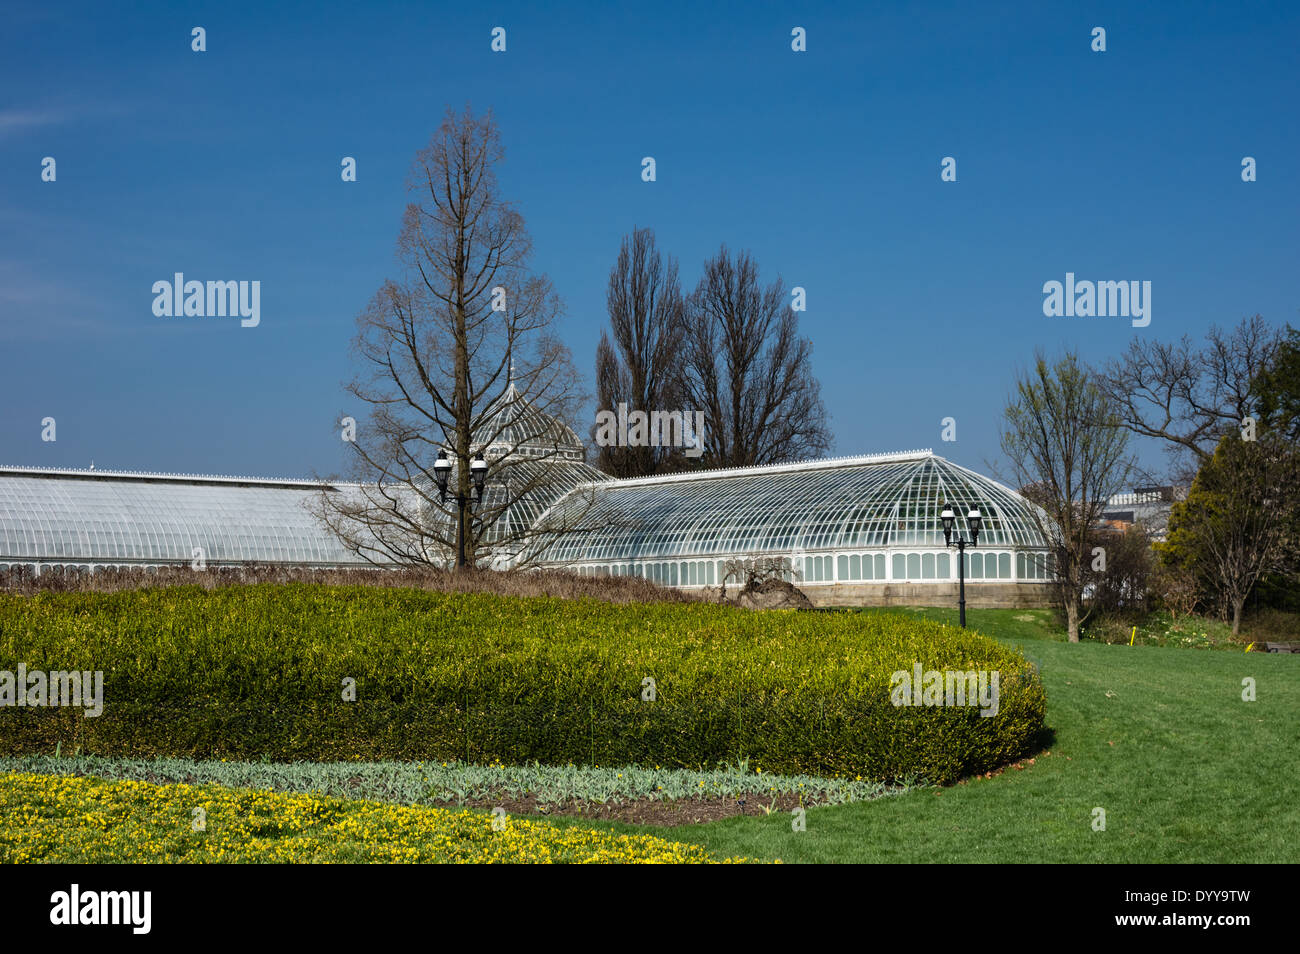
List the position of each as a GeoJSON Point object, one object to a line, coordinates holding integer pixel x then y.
{"type": "Point", "coordinates": [1237, 605]}
{"type": "Point", "coordinates": [1072, 618]}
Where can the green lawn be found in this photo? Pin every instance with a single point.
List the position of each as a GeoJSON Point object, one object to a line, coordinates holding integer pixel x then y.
{"type": "Point", "coordinates": [1158, 737]}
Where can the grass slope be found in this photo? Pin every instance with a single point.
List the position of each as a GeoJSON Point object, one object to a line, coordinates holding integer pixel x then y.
{"type": "Point", "coordinates": [1158, 737]}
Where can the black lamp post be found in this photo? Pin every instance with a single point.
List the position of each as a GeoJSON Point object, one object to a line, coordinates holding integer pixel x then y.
{"type": "Point", "coordinates": [974, 518]}
{"type": "Point", "coordinates": [477, 474]}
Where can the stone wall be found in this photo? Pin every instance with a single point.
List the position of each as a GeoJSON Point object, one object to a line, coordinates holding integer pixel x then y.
{"type": "Point", "coordinates": [978, 595]}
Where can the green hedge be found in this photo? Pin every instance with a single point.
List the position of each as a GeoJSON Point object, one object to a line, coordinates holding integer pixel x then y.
{"type": "Point", "coordinates": [256, 672]}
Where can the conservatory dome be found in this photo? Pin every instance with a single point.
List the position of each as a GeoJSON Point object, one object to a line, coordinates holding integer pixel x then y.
{"type": "Point", "coordinates": [862, 519]}
{"type": "Point", "coordinates": [513, 425]}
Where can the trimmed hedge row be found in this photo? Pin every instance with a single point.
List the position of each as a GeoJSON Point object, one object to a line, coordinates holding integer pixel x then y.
{"type": "Point", "coordinates": [258, 672]}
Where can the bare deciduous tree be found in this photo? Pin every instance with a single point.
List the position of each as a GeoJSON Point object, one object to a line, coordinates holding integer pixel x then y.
{"type": "Point", "coordinates": [1189, 397]}
{"type": "Point", "coordinates": [638, 367]}
{"type": "Point", "coordinates": [445, 350]}
{"type": "Point", "coordinates": [1067, 450]}
{"type": "Point", "coordinates": [745, 365]}
{"type": "Point", "coordinates": [1121, 579]}
{"type": "Point", "coordinates": [1177, 590]}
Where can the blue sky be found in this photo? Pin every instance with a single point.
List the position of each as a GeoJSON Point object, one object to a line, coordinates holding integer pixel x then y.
{"type": "Point", "coordinates": [924, 297]}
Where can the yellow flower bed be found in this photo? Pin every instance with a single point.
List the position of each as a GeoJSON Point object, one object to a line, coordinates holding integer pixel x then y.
{"type": "Point", "coordinates": [46, 818]}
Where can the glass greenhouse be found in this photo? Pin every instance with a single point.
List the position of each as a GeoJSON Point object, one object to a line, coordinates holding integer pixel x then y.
{"type": "Point", "coordinates": [860, 520]}
{"type": "Point", "coordinates": [533, 460]}
{"type": "Point", "coordinates": [849, 530]}
{"type": "Point", "coordinates": [86, 518]}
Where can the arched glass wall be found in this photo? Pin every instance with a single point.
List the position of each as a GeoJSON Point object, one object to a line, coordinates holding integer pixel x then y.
{"type": "Point", "coordinates": [847, 521]}
{"type": "Point", "coordinates": [863, 519]}
{"type": "Point", "coordinates": [101, 518]}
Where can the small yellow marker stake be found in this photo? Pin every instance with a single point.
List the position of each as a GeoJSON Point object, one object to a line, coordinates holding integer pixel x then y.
{"type": "Point", "coordinates": [1134, 636]}
{"type": "Point", "coordinates": [1250, 647]}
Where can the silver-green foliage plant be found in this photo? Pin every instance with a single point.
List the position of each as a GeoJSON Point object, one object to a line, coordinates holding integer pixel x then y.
{"type": "Point", "coordinates": [413, 783]}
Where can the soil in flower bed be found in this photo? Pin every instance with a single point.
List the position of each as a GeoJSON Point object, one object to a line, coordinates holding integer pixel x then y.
{"type": "Point", "coordinates": [663, 812]}
{"type": "Point", "coordinates": [641, 811]}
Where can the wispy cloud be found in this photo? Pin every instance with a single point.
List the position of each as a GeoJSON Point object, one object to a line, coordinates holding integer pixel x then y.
{"type": "Point", "coordinates": [16, 121]}
{"type": "Point", "coordinates": [32, 307]}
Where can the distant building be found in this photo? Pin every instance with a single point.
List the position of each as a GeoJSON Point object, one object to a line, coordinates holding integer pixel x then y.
{"type": "Point", "coordinates": [1148, 506]}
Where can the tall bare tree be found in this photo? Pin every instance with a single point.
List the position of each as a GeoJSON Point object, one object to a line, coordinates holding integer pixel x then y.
{"type": "Point", "coordinates": [645, 305]}
{"type": "Point", "coordinates": [1199, 401]}
{"type": "Point", "coordinates": [1067, 449]}
{"type": "Point", "coordinates": [440, 349]}
{"type": "Point", "coordinates": [1189, 396]}
{"type": "Point", "coordinates": [745, 366]}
